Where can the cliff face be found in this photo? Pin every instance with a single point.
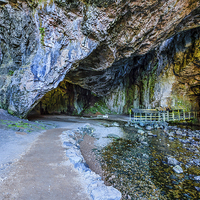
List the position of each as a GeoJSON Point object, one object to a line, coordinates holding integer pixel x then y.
{"type": "Point", "coordinates": [94, 44]}
{"type": "Point", "coordinates": [167, 76]}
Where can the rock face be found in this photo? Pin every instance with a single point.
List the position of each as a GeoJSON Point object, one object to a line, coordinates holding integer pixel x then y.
{"type": "Point", "coordinates": [102, 46]}
{"type": "Point", "coordinates": [166, 76]}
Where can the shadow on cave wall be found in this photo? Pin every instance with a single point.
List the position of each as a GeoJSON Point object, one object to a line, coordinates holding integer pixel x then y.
{"type": "Point", "coordinates": [65, 99]}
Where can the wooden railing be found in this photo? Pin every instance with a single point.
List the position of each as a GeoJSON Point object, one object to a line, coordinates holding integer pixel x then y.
{"type": "Point", "coordinates": [150, 115]}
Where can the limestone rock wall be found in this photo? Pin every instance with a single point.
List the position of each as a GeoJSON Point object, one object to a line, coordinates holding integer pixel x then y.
{"type": "Point", "coordinates": [93, 44]}
{"type": "Point", "coordinates": [167, 76]}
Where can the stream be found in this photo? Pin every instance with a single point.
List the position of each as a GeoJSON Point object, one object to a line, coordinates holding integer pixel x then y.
{"type": "Point", "coordinates": [154, 162]}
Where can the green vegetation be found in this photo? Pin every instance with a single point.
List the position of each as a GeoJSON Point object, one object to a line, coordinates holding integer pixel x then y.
{"type": "Point", "coordinates": [42, 33]}
{"type": "Point", "coordinates": [143, 89]}
{"type": "Point", "coordinates": [99, 107]}
{"type": "Point", "coordinates": [99, 3]}
{"type": "Point", "coordinates": [10, 112]}
{"type": "Point", "coordinates": [75, 3]}
{"type": "Point", "coordinates": [11, 72]}
{"type": "Point", "coordinates": [22, 125]}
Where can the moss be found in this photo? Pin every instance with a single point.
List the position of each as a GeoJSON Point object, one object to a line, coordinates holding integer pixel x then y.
{"type": "Point", "coordinates": [98, 3]}
{"type": "Point", "coordinates": [36, 3]}
{"type": "Point", "coordinates": [11, 112]}
{"type": "Point", "coordinates": [22, 125]}
{"type": "Point", "coordinates": [11, 72]}
{"type": "Point", "coordinates": [42, 33]}
{"type": "Point", "coordinates": [99, 107]}
{"type": "Point", "coordinates": [75, 3]}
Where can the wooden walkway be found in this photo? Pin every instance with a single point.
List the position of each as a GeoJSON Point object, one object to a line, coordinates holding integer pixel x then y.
{"type": "Point", "coordinates": [150, 115]}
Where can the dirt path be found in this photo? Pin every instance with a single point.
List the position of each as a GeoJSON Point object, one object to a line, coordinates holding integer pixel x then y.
{"type": "Point", "coordinates": [42, 174]}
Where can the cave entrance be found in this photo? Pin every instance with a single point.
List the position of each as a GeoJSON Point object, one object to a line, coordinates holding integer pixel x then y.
{"type": "Point", "coordinates": [67, 99]}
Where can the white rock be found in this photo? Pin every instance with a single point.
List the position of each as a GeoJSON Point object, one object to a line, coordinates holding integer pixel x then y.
{"type": "Point", "coordinates": [106, 193]}
{"type": "Point", "coordinates": [140, 131]}
{"type": "Point", "coordinates": [150, 134]}
{"type": "Point", "coordinates": [148, 128]}
{"type": "Point", "coordinates": [172, 161]}
{"type": "Point", "coordinates": [115, 124]}
{"type": "Point", "coordinates": [197, 178]}
{"type": "Point", "coordinates": [178, 169]}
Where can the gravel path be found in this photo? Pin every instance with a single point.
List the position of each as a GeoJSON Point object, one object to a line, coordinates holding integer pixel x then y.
{"type": "Point", "coordinates": [42, 173]}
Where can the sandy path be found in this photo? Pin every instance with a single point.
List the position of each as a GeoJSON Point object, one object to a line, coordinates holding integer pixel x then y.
{"type": "Point", "coordinates": [86, 147]}
{"type": "Point", "coordinates": [42, 174]}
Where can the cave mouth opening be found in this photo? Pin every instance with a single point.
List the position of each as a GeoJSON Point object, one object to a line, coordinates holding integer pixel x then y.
{"type": "Point", "coordinates": [69, 99]}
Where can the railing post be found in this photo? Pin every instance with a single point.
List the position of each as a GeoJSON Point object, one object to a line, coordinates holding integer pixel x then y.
{"type": "Point", "coordinates": [145, 117]}
{"type": "Point", "coordinates": [189, 114]}
{"type": "Point", "coordinates": [173, 115]}
{"type": "Point", "coordinates": [183, 114]}
{"type": "Point", "coordinates": [164, 117]}
{"type": "Point", "coordinates": [150, 116]}
{"type": "Point", "coordinates": [167, 115]}
{"type": "Point", "coordinates": [179, 115]}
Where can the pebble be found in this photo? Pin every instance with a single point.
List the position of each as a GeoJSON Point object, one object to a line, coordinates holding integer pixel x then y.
{"type": "Point", "coordinates": [145, 143]}
{"type": "Point", "coordinates": [141, 124]}
{"type": "Point", "coordinates": [184, 141]}
{"type": "Point", "coordinates": [171, 134]}
{"type": "Point", "coordinates": [141, 132]}
{"type": "Point", "coordinates": [197, 188]}
{"type": "Point", "coordinates": [178, 169]}
{"type": "Point", "coordinates": [196, 161]}
{"type": "Point", "coordinates": [171, 138]}
{"type": "Point", "coordinates": [141, 139]}
{"type": "Point", "coordinates": [145, 155]}
{"type": "Point", "coordinates": [178, 132]}
{"type": "Point", "coordinates": [136, 126]}
{"type": "Point", "coordinates": [172, 161]}
{"type": "Point", "coordinates": [148, 128]}
{"type": "Point", "coordinates": [197, 178]}
{"type": "Point", "coordinates": [150, 134]}
{"type": "Point", "coordinates": [115, 124]}
{"type": "Point", "coordinates": [156, 126]}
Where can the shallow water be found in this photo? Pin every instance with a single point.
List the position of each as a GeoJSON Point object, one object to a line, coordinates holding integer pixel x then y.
{"type": "Point", "coordinates": [140, 171]}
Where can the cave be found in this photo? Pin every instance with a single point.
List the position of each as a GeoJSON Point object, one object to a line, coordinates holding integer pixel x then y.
{"type": "Point", "coordinates": [99, 99]}
{"type": "Point", "coordinates": [167, 76]}
{"type": "Point", "coordinates": [115, 53]}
